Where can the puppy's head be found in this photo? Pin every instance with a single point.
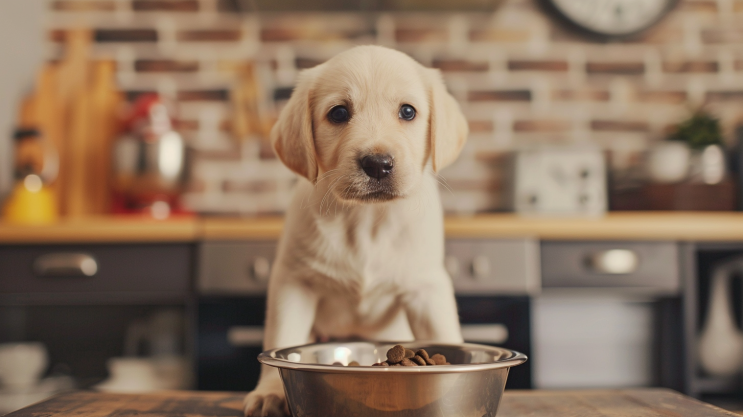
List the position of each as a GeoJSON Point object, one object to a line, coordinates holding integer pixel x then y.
{"type": "Point", "coordinates": [368, 122]}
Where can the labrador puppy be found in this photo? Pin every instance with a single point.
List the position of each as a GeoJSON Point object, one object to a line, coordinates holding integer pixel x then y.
{"type": "Point", "coordinates": [361, 255]}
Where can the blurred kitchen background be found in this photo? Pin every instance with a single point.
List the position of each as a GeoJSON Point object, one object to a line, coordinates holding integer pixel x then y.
{"type": "Point", "coordinates": [592, 216]}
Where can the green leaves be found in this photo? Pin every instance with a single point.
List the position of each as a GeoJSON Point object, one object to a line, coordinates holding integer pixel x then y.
{"type": "Point", "coordinates": [699, 131]}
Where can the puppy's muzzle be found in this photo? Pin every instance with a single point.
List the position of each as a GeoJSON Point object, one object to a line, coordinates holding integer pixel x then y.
{"type": "Point", "coordinates": [377, 166]}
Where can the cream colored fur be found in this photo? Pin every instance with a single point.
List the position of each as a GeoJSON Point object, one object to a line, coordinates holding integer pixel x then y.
{"type": "Point", "coordinates": [350, 263]}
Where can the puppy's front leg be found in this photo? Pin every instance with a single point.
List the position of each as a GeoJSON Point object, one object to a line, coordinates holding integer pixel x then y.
{"type": "Point", "coordinates": [290, 314]}
{"type": "Point", "coordinates": [432, 311]}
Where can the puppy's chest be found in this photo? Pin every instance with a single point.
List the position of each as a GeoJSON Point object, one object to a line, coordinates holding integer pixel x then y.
{"type": "Point", "coordinates": [368, 252]}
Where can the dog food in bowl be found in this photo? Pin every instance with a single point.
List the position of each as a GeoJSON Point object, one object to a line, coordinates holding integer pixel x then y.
{"type": "Point", "coordinates": [399, 356]}
{"type": "Point", "coordinates": [471, 385]}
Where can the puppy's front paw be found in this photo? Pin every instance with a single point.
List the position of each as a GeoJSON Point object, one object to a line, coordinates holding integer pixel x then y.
{"type": "Point", "coordinates": [265, 403]}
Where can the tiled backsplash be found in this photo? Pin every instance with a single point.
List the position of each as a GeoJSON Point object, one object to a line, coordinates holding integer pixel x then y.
{"type": "Point", "coordinates": [522, 78]}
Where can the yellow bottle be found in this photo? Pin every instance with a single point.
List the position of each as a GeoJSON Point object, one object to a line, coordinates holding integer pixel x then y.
{"type": "Point", "coordinates": [31, 203]}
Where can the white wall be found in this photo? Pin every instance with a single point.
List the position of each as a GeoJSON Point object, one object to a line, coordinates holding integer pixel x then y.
{"type": "Point", "coordinates": [21, 52]}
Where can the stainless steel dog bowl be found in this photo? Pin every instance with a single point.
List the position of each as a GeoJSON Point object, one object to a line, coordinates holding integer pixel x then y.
{"type": "Point", "coordinates": [471, 387]}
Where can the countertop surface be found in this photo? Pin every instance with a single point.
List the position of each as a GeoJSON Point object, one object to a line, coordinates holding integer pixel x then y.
{"type": "Point", "coordinates": [680, 226]}
{"type": "Point", "coordinates": [599, 403]}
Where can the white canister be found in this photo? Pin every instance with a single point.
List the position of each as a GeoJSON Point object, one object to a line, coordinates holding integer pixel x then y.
{"type": "Point", "coordinates": [668, 162]}
{"type": "Point", "coordinates": [708, 166]}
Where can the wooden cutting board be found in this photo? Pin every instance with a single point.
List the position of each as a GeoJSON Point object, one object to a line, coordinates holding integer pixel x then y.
{"type": "Point", "coordinates": [599, 403]}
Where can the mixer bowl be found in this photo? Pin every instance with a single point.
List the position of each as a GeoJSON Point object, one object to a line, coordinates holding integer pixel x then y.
{"type": "Point", "coordinates": [471, 386]}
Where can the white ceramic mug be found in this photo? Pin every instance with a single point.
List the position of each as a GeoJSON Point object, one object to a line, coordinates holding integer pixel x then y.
{"type": "Point", "coordinates": [130, 375]}
{"type": "Point", "coordinates": [22, 364]}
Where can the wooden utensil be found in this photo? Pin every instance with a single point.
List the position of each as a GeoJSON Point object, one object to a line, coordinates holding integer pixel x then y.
{"type": "Point", "coordinates": [248, 115]}
{"type": "Point", "coordinates": [75, 106]}
{"type": "Point", "coordinates": [103, 124]}
{"type": "Point", "coordinates": [74, 73]}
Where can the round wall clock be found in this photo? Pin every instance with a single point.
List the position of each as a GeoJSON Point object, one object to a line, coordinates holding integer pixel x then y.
{"type": "Point", "coordinates": [611, 18]}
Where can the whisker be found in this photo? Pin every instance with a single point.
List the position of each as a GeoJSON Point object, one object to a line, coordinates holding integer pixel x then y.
{"type": "Point", "coordinates": [324, 195]}
{"type": "Point", "coordinates": [441, 180]}
{"type": "Point", "coordinates": [343, 203]}
{"type": "Point", "coordinates": [330, 188]}
{"type": "Point", "coordinates": [325, 176]}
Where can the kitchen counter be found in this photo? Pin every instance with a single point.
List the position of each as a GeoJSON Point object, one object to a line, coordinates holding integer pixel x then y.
{"type": "Point", "coordinates": [679, 226]}
{"type": "Point", "coordinates": [636, 402]}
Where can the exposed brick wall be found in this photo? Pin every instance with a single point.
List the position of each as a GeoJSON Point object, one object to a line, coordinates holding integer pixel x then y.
{"type": "Point", "coordinates": [522, 78]}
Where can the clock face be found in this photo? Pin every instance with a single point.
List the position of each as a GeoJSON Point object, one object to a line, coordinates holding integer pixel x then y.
{"type": "Point", "coordinates": [613, 17]}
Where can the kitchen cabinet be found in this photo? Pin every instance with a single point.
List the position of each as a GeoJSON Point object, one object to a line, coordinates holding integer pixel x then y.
{"type": "Point", "coordinates": [699, 261]}
{"type": "Point", "coordinates": [646, 267]}
{"type": "Point", "coordinates": [95, 274]}
{"type": "Point", "coordinates": [80, 300]}
{"type": "Point", "coordinates": [665, 258]}
{"type": "Point", "coordinates": [235, 268]}
{"type": "Point", "coordinates": [597, 322]}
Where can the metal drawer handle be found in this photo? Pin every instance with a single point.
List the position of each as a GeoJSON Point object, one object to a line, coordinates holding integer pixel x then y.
{"type": "Point", "coordinates": [261, 269]}
{"type": "Point", "coordinates": [614, 261]}
{"type": "Point", "coordinates": [485, 333]}
{"type": "Point", "coordinates": [244, 336]}
{"type": "Point", "coordinates": [65, 264]}
{"type": "Point", "coordinates": [481, 267]}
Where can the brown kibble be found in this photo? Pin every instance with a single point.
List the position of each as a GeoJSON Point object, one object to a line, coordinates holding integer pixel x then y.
{"type": "Point", "coordinates": [408, 362]}
{"type": "Point", "coordinates": [384, 364]}
{"type": "Point", "coordinates": [422, 353]}
{"type": "Point", "coordinates": [354, 363]}
{"type": "Point", "coordinates": [337, 364]}
{"type": "Point", "coordinates": [438, 359]}
{"type": "Point", "coordinates": [396, 354]}
{"type": "Point", "coordinates": [399, 356]}
{"type": "Point", "coordinates": [417, 359]}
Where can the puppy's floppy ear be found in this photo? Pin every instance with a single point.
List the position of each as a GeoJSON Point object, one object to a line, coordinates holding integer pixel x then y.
{"type": "Point", "coordinates": [292, 136]}
{"type": "Point", "coordinates": [448, 127]}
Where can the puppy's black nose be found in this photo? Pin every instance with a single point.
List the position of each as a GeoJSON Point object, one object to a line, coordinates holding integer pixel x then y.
{"type": "Point", "coordinates": [377, 166]}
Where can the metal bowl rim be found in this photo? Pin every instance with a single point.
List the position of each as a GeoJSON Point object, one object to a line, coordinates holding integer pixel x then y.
{"type": "Point", "coordinates": [517, 358]}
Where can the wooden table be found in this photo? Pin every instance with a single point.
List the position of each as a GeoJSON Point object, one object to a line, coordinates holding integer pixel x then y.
{"type": "Point", "coordinates": [599, 403]}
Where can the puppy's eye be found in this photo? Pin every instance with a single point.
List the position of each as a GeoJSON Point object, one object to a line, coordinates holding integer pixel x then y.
{"type": "Point", "coordinates": [407, 112]}
{"type": "Point", "coordinates": [339, 114]}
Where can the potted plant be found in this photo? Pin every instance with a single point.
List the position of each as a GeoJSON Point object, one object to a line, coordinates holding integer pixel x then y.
{"type": "Point", "coordinates": [699, 131]}
{"type": "Point", "coordinates": [693, 151]}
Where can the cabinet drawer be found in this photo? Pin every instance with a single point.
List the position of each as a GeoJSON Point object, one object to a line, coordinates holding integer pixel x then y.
{"type": "Point", "coordinates": [650, 266]}
{"type": "Point", "coordinates": [235, 267]}
{"type": "Point", "coordinates": [490, 267]}
{"type": "Point", "coordinates": [90, 269]}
